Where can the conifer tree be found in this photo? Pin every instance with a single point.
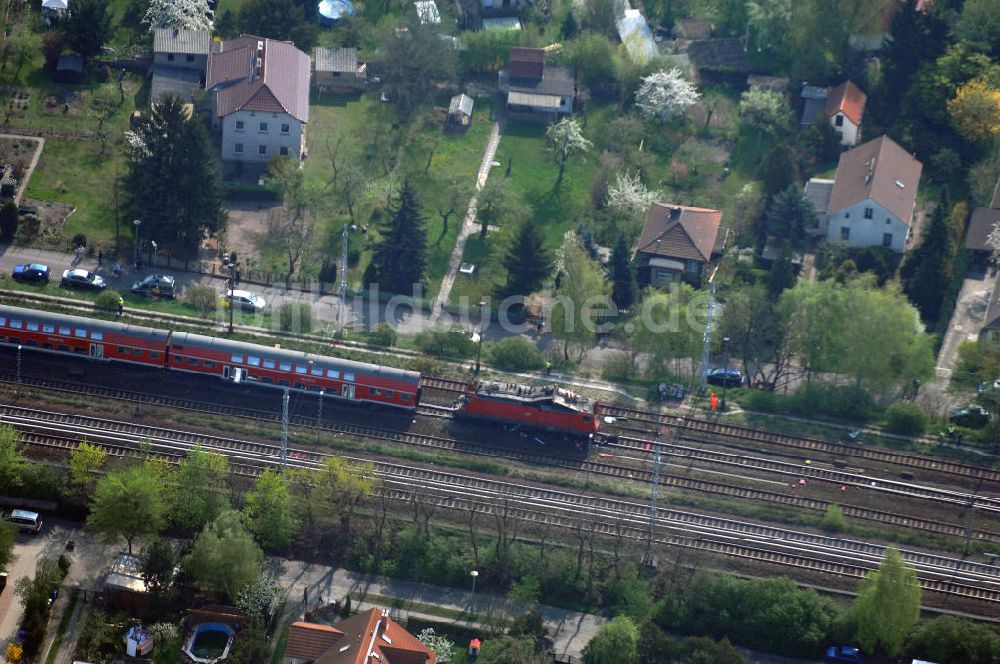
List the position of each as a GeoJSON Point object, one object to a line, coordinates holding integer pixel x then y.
{"type": "Point", "coordinates": [625, 291]}
{"type": "Point", "coordinates": [527, 262]}
{"type": "Point", "coordinates": [401, 254]}
{"type": "Point", "coordinates": [928, 272]}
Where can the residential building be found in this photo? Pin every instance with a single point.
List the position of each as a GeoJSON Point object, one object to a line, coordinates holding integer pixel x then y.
{"type": "Point", "coordinates": [54, 9]}
{"type": "Point", "coordinates": [842, 106]}
{"type": "Point", "coordinates": [181, 48]}
{"type": "Point", "coordinates": [981, 224]}
{"type": "Point", "coordinates": [677, 243]}
{"type": "Point", "coordinates": [871, 198]}
{"type": "Point", "coordinates": [719, 59]}
{"type": "Point", "coordinates": [371, 636]}
{"type": "Point", "coordinates": [259, 91]}
{"type": "Point", "coordinates": [339, 69]}
{"type": "Point", "coordinates": [534, 90]}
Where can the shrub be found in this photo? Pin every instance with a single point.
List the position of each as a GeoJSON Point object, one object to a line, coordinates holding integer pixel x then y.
{"type": "Point", "coordinates": [845, 402]}
{"type": "Point", "coordinates": [906, 418]}
{"type": "Point", "coordinates": [620, 367]}
{"type": "Point", "coordinates": [833, 520]}
{"type": "Point", "coordinates": [108, 300]}
{"type": "Point", "coordinates": [455, 342]}
{"type": "Point", "coordinates": [79, 240]}
{"type": "Point", "coordinates": [203, 298]}
{"type": "Point", "coordinates": [383, 335]}
{"type": "Point", "coordinates": [295, 317]}
{"type": "Point", "coordinates": [516, 354]}
{"type": "Point", "coordinates": [8, 221]}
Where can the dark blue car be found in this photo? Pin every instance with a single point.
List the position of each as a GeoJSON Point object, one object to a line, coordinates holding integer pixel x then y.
{"type": "Point", "coordinates": [31, 272]}
{"type": "Point", "coordinates": [724, 377]}
{"type": "Point", "coordinates": [843, 655]}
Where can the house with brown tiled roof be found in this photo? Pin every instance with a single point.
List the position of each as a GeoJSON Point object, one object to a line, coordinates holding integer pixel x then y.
{"type": "Point", "coordinates": [364, 638]}
{"type": "Point", "coordinates": [259, 90]}
{"type": "Point", "coordinates": [872, 196]}
{"type": "Point", "coordinates": [676, 243]}
{"type": "Point", "coordinates": [535, 90]}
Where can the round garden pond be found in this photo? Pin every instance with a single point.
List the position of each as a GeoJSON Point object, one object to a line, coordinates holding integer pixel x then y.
{"type": "Point", "coordinates": [208, 643]}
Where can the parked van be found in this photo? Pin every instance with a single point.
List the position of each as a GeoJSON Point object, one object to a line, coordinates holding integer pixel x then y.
{"type": "Point", "coordinates": [25, 520]}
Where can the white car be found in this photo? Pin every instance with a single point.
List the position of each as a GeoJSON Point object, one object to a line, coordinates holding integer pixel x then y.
{"type": "Point", "coordinates": [246, 300]}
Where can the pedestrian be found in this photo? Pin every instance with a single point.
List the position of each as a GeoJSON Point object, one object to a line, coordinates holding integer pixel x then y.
{"type": "Point", "coordinates": [121, 306]}
{"type": "Point", "coordinates": [548, 368]}
{"type": "Point", "coordinates": [100, 257]}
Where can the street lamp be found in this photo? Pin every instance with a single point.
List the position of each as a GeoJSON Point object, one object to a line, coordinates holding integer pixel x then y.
{"type": "Point", "coordinates": [479, 350]}
{"type": "Point", "coordinates": [474, 574]}
{"type": "Point", "coordinates": [137, 223]}
{"type": "Point", "coordinates": [343, 275]}
{"type": "Point", "coordinates": [725, 364]}
{"type": "Point", "coordinates": [152, 253]}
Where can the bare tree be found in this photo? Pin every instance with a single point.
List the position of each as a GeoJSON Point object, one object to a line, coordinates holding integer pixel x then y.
{"type": "Point", "coordinates": [455, 201]}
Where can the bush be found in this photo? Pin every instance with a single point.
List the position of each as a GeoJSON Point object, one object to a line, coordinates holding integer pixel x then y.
{"type": "Point", "coordinates": [79, 240]}
{"type": "Point", "coordinates": [516, 354]}
{"type": "Point", "coordinates": [620, 367]}
{"type": "Point", "coordinates": [203, 298]}
{"type": "Point", "coordinates": [108, 300]}
{"type": "Point", "coordinates": [328, 272]}
{"type": "Point", "coordinates": [952, 640]}
{"type": "Point", "coordinates": [8, 221]}
{"type": "Point", "coordinates": [295, 317]}
{"type": "Point", "coordinates": [845, 402]}
{"type": "Point", "coordinates": [383, 335]}
{"type": "Point", "coordinates": [833, 520]}
{"type": "Point", "coordinates": [906, 418]}
{"type": "Point", "coordinates": [455, 342]}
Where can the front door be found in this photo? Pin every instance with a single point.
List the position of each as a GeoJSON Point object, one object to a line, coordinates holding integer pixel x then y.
{"type": "Point", "coordinates": [347, 391]}
{"type": "Point", "coordinates": [97, 351]}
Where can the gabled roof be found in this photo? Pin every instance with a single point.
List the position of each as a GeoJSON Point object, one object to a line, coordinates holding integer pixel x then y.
{"type": "Point", "coordinates": [308, 640]}
{"type": "Point", "coordinates": [259, 74]}
{"type": "Point", "coordinates": [980, 226]}
{"type": "Point", "coordinates": [343, 60]}
{"type": "Point", "coordinates": [848, 99]}
{"type": "Point", "coordinates": [879, 170]}
{"type": "Point", "coordinates": [174, 40]}
{"type": "Point", "coordinates": [992, 320]}
{"type": "Point", "coordinates": [679, 231]}
{"type": "Point", "coordinates": [558, 81]}
{"type": "Point", "coordinates": [461, 103]}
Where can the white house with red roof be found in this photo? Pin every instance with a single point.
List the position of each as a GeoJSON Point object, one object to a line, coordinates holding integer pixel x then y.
{"type": "Point", "coordinates": [845, 106]}
{"type": "Point", "coordinates": [259, 89]}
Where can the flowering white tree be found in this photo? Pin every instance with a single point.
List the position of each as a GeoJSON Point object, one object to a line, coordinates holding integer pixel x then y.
{"type": "Point", "coordinates": [441, 645]}
{"type": "Point", "coordinates": [628, 194]}
{"type": "Point", "coordinates": [180, 14]}
{"type": "Point", "coordinates": [665, 95]}
{"type": "Point", "coordinates": [764, 111]}
{"type": "Point", "coordinates": [993, 241]}
{"type": "Point", "coordinates": [565, 139]}
{"type": "Point", "coordinates": [257, 597]}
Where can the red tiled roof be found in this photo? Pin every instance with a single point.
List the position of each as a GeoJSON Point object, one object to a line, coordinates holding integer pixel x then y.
{"type": "Point", "coordinates": [357, 638]}
{"type": "Point", "coordinates": [281, 85]}
{"type": "Point", "coordinates": [892, 182]}
{"type": "Point", "coordinates": [679, 231]}
{"type": "Point", "coordinates": [848, 99]}
{"type": "Point", "coordinates": [308, 641]}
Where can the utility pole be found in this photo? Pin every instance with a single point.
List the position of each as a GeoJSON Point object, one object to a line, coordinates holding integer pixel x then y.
{"type": "Point", "coordinates": [343, 277]}
{"type": "Point", "coordinates": [707, 338]}
{"type": "Point", "coordinates": [284, 429]}
{"type": "Point", "coordinates": [653, 501]}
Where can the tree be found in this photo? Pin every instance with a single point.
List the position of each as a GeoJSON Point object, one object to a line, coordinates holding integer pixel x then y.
{"type": "Point", "coordinates": [789, 216]}
{"type": "Point", "coordinates": [414, 60]}
{"type": "Point", "coordinates": [8, 221]}
{"type": "Point", "coordinates": [201, 479]}
{"type": "Point", "coordinates": [527, 262]}
{"type": "Point", "coordinates": [979, 26]}
{"type": "Point", "coordinates": [88, 27]}
{"type": "Point", "coordinates": [12, 460]}
{"type": "Point", "coordinates": [497, 204]}
{"type": "Point", "coordinates": [628, 195]}
{"type": "Point", "coordinates": [204, 299]}
{"type": "Point", "coordinates": [665, 95]}
{"type": "Point", "coordinates": [128, 503]}
{"type": "Point", "coordinates": [84, 463]}
{"type": "Point", "coordinates": [888, 604]}
{"type": "Point", "coordinates": [581, 298]}
{"type": "Point", "coordinates": [510, 650]}
{"type": "Point", "coordinates": [564, 139]}
{"type": "Point", "coordinates": [256, 599]}
{"type": "Point", "coordinates": [665, 329]}
{"type": "Point", "coordinates": [764, 112]}
{"type": "Point", "coordinates": [602, 16]}
{"type": "Point", "coordinates": [595, 61]}
{"type": "Point", "coordinates": [278, 19]}
{"type": "Point", "coordinates": [516, 354]}
{"type": "Point", "coordinates": [928, 271]}
{"type": "Point", "coordinates": [8, 536]}
{"type": "Point", "coordinates": [400, 255]}
{"type": "Point", "coordinates": [224, 557]}
{"type": "Point", "coordinates": [624, 290]}
{"type": "Point", "coordinates": [616, 642]}
{"type": "Point", "coordinates": [252, 646]}
{"type": "Point", "coordinates": [455, 201]}
{"type": "Point", "coordinates": [179, 14]}
{"type": "Point", "coordinates": [52, 48]}
{"type": "Point", "coordinates": [172, 183]}
{"type": "Point", "coordinates": [752, 324]}
{"type": "Point", "coordinates": [333, 493]}
{"type": "Point", "coordinates": [975, 111]}
{"type": "Point", "coordinates": [771, 21]}
{"type": "Point", "coordinates": [993, 240]}
{"type": "Point", "coordinates": [953, 640]}
{"type": "Point", "coordinates": [158, 565]}
{"type": "Point", "coordinates": [915, 37]}
{"type": "Point", "coordinates": [268, 511]}
{"type": "Point", "coordinates": [778, 171]}
{"type": "Point", "coordinates": [290, 231]}
{"type": "Point", "coordinates": [441, 645]}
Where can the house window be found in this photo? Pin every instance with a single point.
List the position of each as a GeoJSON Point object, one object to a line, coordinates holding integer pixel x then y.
{"type": "Point", "coordinates": [238, 148]}
{"type": "Point", "coordinates": [285, 128]}
{"type": "Point", "coordinates": [845, 232]}
{"type": "Point", "coordinates": [189, 58]}
{"type": "Point", "coordinates": [284, 151]}
{"type": "Point", "coordinates": [562, 101]}
{"type": "Point", "coordinates": [869, 213]}
{"type": "Point", "coordinates": [847, 215]}
{"type": "Point", "coordinates": [239, 125]}
{"type": "Point", "coordinates": [839, 121]}
{"type": "Point", "coordinates": [261, 149]}
{"type": "Point", "coordinates": [887, 239]}
{"type": "Point", "coordinates": [692, 267]}
{"type": "Point", "coordinates": [263, 127]}
{"type": "Point", "coordinates": [170, 57]}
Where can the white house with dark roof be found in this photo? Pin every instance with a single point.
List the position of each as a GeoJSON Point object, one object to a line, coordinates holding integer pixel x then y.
{"type": "Point", "coordinates": [259, 90]}
{"type": "Point", "coordinates": [535, 90]}
{"type": "Point", "coordinates": [870, 201]}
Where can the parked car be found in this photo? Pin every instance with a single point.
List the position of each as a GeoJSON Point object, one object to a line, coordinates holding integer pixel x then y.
{"type": "Point", "coordinates": [246, 301]}
{"type": "Point", "coordinates": [972, 416]}
{"type": "Point", "coordinates": [988, 386]}
{"type": "Point", "coordinates": [724, 377]}
{"type": "Point", "coordinates": [843, 655]}
{"type": "Point", "coordinates": [83, 279]}
{"type": "Point", "coordinates": [27, 521]}
{"type": "Point", "coordinates": [31, 272]}
{"type": "Point", "coordinates": [161, 285]}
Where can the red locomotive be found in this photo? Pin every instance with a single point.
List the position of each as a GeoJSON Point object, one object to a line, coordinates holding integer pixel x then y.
{"type": "Point", "coordinates": [547, 407]}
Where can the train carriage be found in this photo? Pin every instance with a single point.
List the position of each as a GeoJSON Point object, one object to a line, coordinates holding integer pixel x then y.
{"type": "Point", "coordinates": [546, 407]}
{"type": "Point", "coordinates": [82, 337]}
{"type": "Point", "coordinates": [307, 372]}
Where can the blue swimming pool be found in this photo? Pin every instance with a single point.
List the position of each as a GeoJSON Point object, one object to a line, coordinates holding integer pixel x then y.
{"type": "Point", "coordinates": [209, 643]}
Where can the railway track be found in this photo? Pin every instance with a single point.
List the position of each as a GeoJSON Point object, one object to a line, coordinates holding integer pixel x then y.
{"type": "Point", "coordinates": [677, 454]}
{"type": "Point", "coordinates": [568, 510]}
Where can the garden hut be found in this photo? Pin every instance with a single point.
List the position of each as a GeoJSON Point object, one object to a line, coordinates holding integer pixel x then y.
{"type": "Point", "coordinates": [70, 68]}
{"type": "Point", "coordinates": [459, 113]}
